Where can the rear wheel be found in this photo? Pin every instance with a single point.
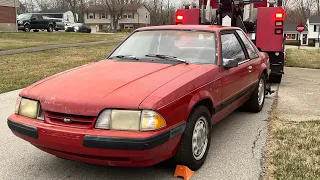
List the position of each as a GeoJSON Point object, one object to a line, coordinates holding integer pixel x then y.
{"type": "Point", "coordinates": [275, 78]}
{"type": "Point", "coordinates": [195, 141]}
{"type": "Point", "coordinates": [256, 101]}
{"type": "Point", "coordinates": [50, 28]}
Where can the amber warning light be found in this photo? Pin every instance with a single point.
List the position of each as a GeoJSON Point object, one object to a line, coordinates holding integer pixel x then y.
{"type": "Point", "coordinates": [180, 17]}
{"type": "Point", "coordinates": [279, 15]}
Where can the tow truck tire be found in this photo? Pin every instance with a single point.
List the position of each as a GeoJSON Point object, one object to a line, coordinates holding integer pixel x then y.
{"type": "Point", "coordinates": [197, 133]}
{"type": "Point", "coordinates": [275, 78]}
{"type": "Point", "coordinates": [50, 28]}
{"type": "Point", "coordinates": [256, 101]}
{"type": "Point", "coordinates": [27, 28]}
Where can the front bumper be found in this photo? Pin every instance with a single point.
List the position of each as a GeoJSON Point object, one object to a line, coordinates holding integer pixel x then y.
{"type": "Point", "coordinates": [95, 146]}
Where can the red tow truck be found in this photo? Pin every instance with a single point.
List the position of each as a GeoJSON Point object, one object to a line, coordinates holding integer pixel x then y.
{"type": "Point", "coordinates": [261, 20]}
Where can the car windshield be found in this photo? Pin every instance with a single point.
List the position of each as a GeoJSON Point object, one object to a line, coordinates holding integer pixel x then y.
{"type": "Point", "coordinates": [24, 16]}
{"type": "Point", "coordinates": [191, 46]}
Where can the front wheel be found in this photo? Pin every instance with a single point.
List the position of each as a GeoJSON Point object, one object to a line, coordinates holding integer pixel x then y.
{"type": "Point", "coordinates": [27, 28]}
{"type": "Point", "coordinates": [256, 101]}
{"type": "Point", "coordinates": [195, 141]}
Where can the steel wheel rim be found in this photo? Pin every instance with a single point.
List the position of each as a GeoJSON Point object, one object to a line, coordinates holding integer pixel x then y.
{"type": "Point", "coordinates": [200, 138]}
{"type": "Point", "coordinates": [261, 92]}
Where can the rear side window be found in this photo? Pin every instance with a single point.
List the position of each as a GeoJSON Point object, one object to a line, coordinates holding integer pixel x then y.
{"type": "Point", "coordinates": [231, 47]}
{"type": "Point", "coordinates": [251, 51]}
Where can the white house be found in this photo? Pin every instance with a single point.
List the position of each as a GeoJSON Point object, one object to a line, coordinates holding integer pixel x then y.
{"type": "Point", "coordinates": [134, 16]}
{"type": "Point", "coordinates": [292, 35]}
{"type": "Point", "coordinates": [66, 15]}
{"type": "Point", "coordinates": [309, 36]}
{"type": "Point", "coordinates": [313, 28]}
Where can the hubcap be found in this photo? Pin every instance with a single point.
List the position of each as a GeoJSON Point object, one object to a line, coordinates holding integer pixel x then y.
{"type": "Point", "coordinates": [261, 92]}
{"type": "Point", "coordinates": [200, 138]}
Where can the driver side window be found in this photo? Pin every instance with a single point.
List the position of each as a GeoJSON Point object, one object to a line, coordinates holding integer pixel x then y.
{"type": "Point", "coordinates": [231, 48]}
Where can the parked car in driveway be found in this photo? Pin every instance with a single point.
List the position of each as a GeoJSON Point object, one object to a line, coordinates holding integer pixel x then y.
{"type": "Point", "coordinates": [155, 97]}
{"type": "Point", "coordinates": [78, 27]}
{"type": "Point", "coordinates": [28, 21]}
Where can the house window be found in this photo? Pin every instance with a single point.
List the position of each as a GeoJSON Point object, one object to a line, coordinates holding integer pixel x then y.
{"type": "Point", "coordinates": [103, 15]}
{"type": "Point", "coordinates": [129, 16]}
{"type": "Point", "coordinates": [315, 28]}
{"type": "Point", "coordinates": [146, 15]}
{"type": "Point", "coordinates": [128, 26]}
{"type": "Point", "coordinates": [91, 16]}
{"type": "Point", "coordinates": [124, 16]}
{"type": "Point", "coordinates": [291, 36]}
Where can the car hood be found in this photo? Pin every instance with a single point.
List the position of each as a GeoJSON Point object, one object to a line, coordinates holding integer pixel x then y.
{"type": "Point", "coordinates": [106, 84]}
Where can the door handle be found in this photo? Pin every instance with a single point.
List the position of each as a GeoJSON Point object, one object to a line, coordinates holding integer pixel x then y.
{"type": "Point", "coordinates": [250, 69]}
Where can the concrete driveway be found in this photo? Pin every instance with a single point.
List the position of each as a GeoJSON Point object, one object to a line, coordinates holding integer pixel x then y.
{"type": "Point", "coordinates": [299, 95]}
{"type": "Point", "coordinates": [235, 153]}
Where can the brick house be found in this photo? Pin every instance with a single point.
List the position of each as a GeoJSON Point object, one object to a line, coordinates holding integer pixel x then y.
{"type": "Point", "coordinates": [133, 16]}
{"type": "Point", "coordinates": [8, 15]}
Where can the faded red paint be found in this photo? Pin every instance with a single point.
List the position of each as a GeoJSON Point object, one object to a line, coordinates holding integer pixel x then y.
{"type": "Point", "coordinates": [172, 91]}
{"type": "Point", "coordinates": [7, 14]}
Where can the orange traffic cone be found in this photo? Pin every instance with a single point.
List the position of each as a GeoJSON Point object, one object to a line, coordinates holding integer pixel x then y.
{"type": "Point", "coordinates": [183, 171]}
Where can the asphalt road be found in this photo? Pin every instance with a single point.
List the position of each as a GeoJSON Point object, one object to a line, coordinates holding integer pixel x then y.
{"type": "Point", "coordinates": [235, 153]}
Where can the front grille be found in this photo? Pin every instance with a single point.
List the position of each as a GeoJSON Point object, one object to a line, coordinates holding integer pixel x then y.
{"type": "Point", "coordinates": [76, 121]}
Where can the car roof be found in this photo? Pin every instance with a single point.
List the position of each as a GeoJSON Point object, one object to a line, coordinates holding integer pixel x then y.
{"type": "Point", "coordinates": [211, 28]}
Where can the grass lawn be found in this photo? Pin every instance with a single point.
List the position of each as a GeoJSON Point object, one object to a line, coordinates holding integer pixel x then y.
{"type": "Point", "coordinates": [303, 58]}
{"type": "Point", "coordinates": [21, 70]}
{"type": "Point", "coordinates": [292, 150]}
{"type": "Point", "coordinates": [18, 40]}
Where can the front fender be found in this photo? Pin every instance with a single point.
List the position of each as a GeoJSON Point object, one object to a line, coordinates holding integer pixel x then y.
{"type": "Point", "coordinates": [199, 96]}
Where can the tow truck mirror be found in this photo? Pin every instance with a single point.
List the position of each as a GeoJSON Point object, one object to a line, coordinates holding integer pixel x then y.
{"type": "Point", "coordinates": [230, 63]}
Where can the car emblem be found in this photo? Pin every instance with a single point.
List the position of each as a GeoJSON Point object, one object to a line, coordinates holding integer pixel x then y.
{"type": "Point", "coordinates": [67, 120]}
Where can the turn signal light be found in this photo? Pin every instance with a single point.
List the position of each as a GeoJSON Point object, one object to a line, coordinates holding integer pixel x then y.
{"type": "Point", "coordinates": [279, 15]}
{"type": "Point", "coordinates": [179, 17]}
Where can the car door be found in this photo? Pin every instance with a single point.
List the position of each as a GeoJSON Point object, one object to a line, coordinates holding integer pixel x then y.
{"type": "Point", "coordinates": [41, 22]}
{"type": "Point", "coordinates": [232, 79]}
{"type": "Point", "coordinates": [252, 62]}
{"type": "Point", "coordinates": [34, 21]}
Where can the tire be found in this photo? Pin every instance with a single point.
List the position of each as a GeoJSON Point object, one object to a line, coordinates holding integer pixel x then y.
{"type": "Point", "coordinates": [27, 28]}
{"type": "Point", "coordinates": [185, 154]}
{"type": "Point", "coordinates": [255, 103]}
{"type": "Point", "coordinates": [275, 78]}
{"type": "Point", "coordinates": [50, 28]}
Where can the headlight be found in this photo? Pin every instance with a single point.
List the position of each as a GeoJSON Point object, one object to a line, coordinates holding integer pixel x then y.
{"type": "Point", "coordinates": [132, 120]}
{"type": "Point", "coordinates": [29, 108]}
{"type": "Point", "coordinates": [76, 28]}
{"type": "Point", "coordinates": [65, 27]}
{"type": "Point", "coordinates": [20, 22]}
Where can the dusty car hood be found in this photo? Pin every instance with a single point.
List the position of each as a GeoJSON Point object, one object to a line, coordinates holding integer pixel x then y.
{"type": "Point", "coordinates": [106, 84]}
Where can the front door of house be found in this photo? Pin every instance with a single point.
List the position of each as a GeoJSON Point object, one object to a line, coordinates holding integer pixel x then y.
{"type": "Point", "coordinates": [304, 39]}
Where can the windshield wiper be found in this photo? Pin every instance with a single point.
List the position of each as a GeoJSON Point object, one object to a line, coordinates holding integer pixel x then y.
{"type": "Point", "coordinates": [125, 57]}
{"type": "Point", "coordinates": [167, 57]}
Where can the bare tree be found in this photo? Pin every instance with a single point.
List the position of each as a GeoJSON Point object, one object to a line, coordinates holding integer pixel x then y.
{"type": "Point", "coordinates": [161, 12]}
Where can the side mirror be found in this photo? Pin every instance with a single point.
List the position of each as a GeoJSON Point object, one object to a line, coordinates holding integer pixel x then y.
{"type": "Point", "coordinates": [230, 63]}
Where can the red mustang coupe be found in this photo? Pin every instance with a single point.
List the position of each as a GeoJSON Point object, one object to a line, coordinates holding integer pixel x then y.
{"type": "Point", "coordinates": [155, 97]}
